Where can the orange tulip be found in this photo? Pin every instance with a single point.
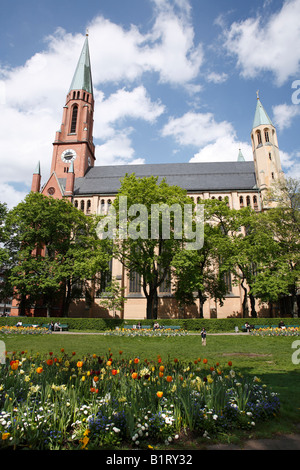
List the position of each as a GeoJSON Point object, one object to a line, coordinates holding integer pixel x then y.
{"type": "Point", "coordinates": [96, 378]}
{"type": "Point", "coordinates": [160, 374]}
{"type": "Point", "coordinates": [79, 364]}
{"type": "Point", "coordinates": [114, 372]}
{"type": "Point", "coordinates": [14, 365]}
{"type": "Point", "coordinates": [162, 368]}
{"type": "Point", "coordinates": [169, 378]}
{"type": "Point", "coordinates": [39, 370]}
{"type": "Point", "coordinates": [49, 362]}
{"type": "Point", "coordinates": [159, 394]}
{"type": "Point", "coordinates": [134, 375]}
{"type": "Point", "coordinates": [136, 360]}
{"type": "Point", "coordinates": [204, 361]}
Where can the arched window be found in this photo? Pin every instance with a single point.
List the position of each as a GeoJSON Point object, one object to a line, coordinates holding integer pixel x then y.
{"type": "Point", "coordinates": [255, 202]}
{"type": "Point", "coordinates": [74, 119]}
{"type": "Point", "coordinates": [102, 206]}
{"type": "Point", "coordinates": [241, 201]}
{"type": "Point", "coordinates": [82, 206]}
{"type": "Point", "coordinates": [88, 207]}
{"type": "Point", "coordinates": [259, 141]}
{"type": "Point", "coordinates": [267, 135]}
{"type": "Point", "coordinates": [76, 204]}
{"type": "Point", "coordinates": [248, 200]}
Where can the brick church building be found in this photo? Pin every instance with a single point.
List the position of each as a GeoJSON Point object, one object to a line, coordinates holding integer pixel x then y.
{"type": "Point", "coordinates": [74, 175]}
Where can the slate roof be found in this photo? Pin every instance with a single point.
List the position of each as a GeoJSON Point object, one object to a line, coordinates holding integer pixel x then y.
{"type": "Point", "coordinates": [194, 177]}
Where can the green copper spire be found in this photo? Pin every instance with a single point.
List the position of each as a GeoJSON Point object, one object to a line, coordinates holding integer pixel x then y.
{"type": "Point", "coordinates": [82, 79]}
{"type": "Point", "coordinates": [240, 156]}
{"type": "Point", "coordinates": [261, 117]}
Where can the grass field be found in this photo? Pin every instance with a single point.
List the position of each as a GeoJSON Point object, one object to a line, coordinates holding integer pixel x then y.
{"type": "Point", "coordinates": [269, 358]}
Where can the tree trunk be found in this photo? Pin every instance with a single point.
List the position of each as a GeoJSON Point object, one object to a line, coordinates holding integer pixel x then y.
{"type": "Point", "coordinates": [295, 305]}
{"type": "Point", "coordinates": [245, 300]}
{"type": "Point", "coordinates": [252, 302]}
{"type": "Point", "coordinates": [152, 304]}
{"type": "Point", "coordinates": [201, 303]}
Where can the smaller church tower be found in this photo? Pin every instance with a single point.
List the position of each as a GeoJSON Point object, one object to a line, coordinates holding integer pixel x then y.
{"type": "Point", "coordinates": [265, 149]}
{"type": "Point", "coordinates": [36, 179]}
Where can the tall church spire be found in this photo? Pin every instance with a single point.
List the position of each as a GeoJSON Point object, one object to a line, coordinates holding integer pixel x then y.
{"type": "Point", "coordinates": [74, 141]}
{"type": "Point", "coordinates": [82, 79]}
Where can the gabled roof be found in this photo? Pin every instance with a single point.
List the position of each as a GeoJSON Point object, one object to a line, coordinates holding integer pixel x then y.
{"type": "Point", "coordinates": [261, 117]}
{"type": "Point", "coordinates": [82, 79]}
{"type": "Point", "coordinates": [194, 177]}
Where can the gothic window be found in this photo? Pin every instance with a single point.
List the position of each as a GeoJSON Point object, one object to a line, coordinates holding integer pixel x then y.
{"type": "Point", "coordinates": [88, 207]}
{"type": "Point", "coordinates": [255, 202]}
{"type": "Point", "coordinates": [248, 201]}
{"type": "Point", "coordinates": [227, 281]}
{"type": "Point", "coordinates": [165, 286]}
{"type": "Point", "coordinates": [82, 206]}
{"type": "Point", "coordinates": [267, 135]}
{"type": "Point", "coordinates": [103, 280]}
{"type": "Point", "coordinates": [102, 206]}
{"type": "Point", "coordinates": [241, 201]}
{"type": "Point", "coordinates": [273, 176]}
{"type": "Point", "coordinates": [270, 156]}
{"type": "Point", "coordinates": [76, 204]}
{"type": "Point", "coordinates": [74, 119]}
{"type": "Point", "coordinates": [134, 283]}
{"type": "Point", "coordinates": [259, 141]}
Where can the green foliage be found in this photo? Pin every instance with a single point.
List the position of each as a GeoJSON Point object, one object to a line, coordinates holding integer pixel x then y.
{"type": "Point", "coordinates": [52, 246]}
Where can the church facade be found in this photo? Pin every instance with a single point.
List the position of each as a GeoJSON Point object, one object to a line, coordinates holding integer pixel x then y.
{"type": "Point", "coordinates": [92, 188]}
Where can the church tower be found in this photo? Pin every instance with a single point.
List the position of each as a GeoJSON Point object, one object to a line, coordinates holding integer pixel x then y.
{"type": "Point", "coordinates": [265, 149]}
{"type": "Point", "coordinates": [74, 141]}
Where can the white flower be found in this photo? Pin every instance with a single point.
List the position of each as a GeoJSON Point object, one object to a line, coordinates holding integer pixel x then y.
{"type": "Point", "coordinates": [116, 429]}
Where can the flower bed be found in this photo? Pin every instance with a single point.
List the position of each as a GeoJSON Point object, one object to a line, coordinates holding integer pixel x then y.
{"type": "Point", "coordinates": [24, 330]}
{"type": "Point", "coordinates": [146, 332]}
{"type": "Point", "coordinates": [288, 331]}
{"type": "Point", "coordinates": [62, 402]}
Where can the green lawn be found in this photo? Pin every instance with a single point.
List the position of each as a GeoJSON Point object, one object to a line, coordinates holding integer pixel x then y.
{"type": "Point", "coordinates": [269, 358]}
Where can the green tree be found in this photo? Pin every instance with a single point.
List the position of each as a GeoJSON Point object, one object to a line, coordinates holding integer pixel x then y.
{"type": "Point", "coordinates": [197, 273]}
{"type": "Point", "coordinates": [145, 249]}
{"type": "Point", "coordinates": [52, 245]}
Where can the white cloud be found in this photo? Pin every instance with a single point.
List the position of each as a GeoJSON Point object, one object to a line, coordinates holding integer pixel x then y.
{"type": "Point", "coordinates": [268, 43]}
{"type": "Point", "coordinates": [224, 149]}
{"type": "Point", "coordinates": [117, 151]}
{"type": "Point", "coordinates": [197, 129]}
{"type": "Point", "coordinates": [283, 115]}
{"type": "Point", "coordinates": [167, 49]}
{"type": "Point", "coordinates": [135, 104]}
{"type": "Point", "coordinates": [10, 195]}
{"type": "Point", "coordinates": [217, 77]}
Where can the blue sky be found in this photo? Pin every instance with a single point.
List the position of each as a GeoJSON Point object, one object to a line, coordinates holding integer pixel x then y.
{"type": "Point", "coordinates": [174, 80]}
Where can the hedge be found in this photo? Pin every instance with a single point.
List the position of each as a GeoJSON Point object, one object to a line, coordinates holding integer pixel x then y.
{"type": "Point", "coordinates": [190, 324]}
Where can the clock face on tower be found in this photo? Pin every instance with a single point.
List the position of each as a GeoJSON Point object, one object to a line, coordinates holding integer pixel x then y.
{"type": "Point", "coordinates": [68, 155]}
